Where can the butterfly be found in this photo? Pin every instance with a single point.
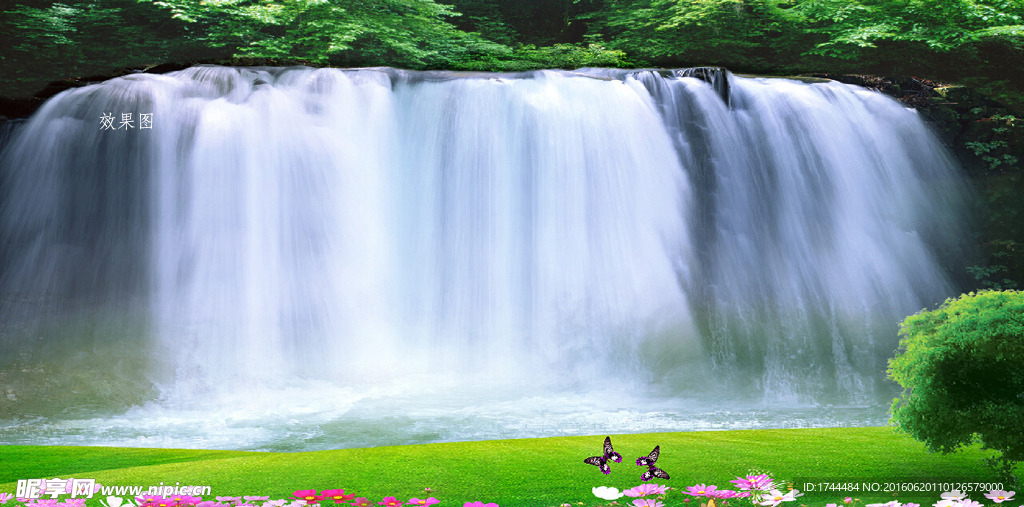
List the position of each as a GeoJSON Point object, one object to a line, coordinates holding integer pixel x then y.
{"type": "Point", "coordinates": [648, 461]}
{"type": "Point", "coordinates": [602, 461]}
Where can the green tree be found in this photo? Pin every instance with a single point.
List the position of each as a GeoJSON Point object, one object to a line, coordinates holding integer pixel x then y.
{"type": "Point", "coordinates": [44, 40]}
{"type": "Point", "coordinates": [416, 34]}
{"type": "Point", "coordinates": [962, 370]}
{"type": "Point", "coordinates": [527, 22]}
{"type": "Point", "coordinates": [409, 33]}
{"type": "Point", "coordinates": [741, 34]}
{"type": "Point", "coordinates": [909, 35]}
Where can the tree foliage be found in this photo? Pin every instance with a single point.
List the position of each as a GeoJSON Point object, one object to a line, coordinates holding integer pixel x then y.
{"type": "Point", "coordinates": [910, 33]}
{"type": "Point", "coordinates": [962, 370]}
{"type": "Point", "coordinates": [773, 34]}
{"type": "Point", "coordinates": [411, 33]}
{"type": "Point", "coordinates": [81, 37]}
{"type": "Point", "coordinates": [889, 36]}
{"type": "Point", "coordinates": [44, 40]}
{"type": "Point", "coordinates": [526, 22]}
{"type": "Point", "coordinates": [748, 34]}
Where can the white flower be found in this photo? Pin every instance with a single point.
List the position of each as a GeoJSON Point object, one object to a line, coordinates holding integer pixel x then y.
{"type": "Point", "coordinates": [893, 503]}
{"type": "Point", "coordinates": [950, 502]}
{"type": "Point", "coordinates": [775, 497]}
{"type": "Point", "coordinates": [1000, 496]}
{"type": "Point", "coordinates": [607, 493]}
{"type": "Point", "coordinates": [953, 495]}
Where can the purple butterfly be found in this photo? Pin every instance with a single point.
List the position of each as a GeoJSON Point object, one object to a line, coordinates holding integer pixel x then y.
{"type": "Point", "coordinates": [602, 461]}
{"type": "Point", "coordinates": [648, 461]}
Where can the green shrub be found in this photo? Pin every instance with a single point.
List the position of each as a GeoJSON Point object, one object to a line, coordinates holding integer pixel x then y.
{"type": "Point", "coordinates": [962, 371]}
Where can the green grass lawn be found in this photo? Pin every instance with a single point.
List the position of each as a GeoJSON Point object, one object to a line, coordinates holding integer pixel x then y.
{"type": "Point", "coordinates": [523, 472]}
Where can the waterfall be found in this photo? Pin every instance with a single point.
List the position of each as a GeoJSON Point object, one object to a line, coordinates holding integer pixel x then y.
{"type": "Point", "coordinates": [329, 242]}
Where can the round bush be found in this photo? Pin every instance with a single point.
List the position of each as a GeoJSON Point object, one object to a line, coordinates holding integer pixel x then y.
{"type": "Point", "coordinates": [962, 371]}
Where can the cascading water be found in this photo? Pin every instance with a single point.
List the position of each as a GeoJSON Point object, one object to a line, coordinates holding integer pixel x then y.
{"type": "Point", "coordinates": [299, 259]}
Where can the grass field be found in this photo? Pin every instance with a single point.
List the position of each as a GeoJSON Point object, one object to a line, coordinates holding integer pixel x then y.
{"type": "Point", "coordinates": [527, 472]}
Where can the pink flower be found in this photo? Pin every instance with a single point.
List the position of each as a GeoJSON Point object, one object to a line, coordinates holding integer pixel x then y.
{"type": "Point", "coordinates": [155, 501]}
{"type": "Point", "coordinates": [647, 502]}
{"type": "Point", "coordinates": [727, 493]}
{"type": "Point", "coordinates": [389, 501]}
{"type": "Point", "coordinates": [308, 495]}
{"type": "Point", "coordinates": [229, 499]}
{"type": "Point", "coordinates": [831, 505]}
{"type": "Point", "coordinates": [182, 500]}
{"type": "Point", "coordinates": [338, 495]}
{"type": "Point", "coordinates": [700, 490]}
{"type": "Point", "coordinates": [479, 504]}
{"type": "Point", "coordinates": [424, 501]}
{"type": "Point", "coordinates": [753, 482]}
{"type": "Point", "coordinates": [361, 502]}
{"type": "Point", "coordinates": [148, 500]}
{"type": "Point", "coordinates": [967, 502]}
{"type": "Point", "coordinates": [4, 497]}
{"type": "Point", "coordinates": [999, 496]}
{"type": "Point", "coordinates": [646, 489]}
{"type": "Point", "coordinates": [847, 500]}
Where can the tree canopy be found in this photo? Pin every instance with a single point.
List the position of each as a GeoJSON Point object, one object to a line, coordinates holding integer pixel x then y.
{"type": "Point", "coordinates": [74, 37]}
{"type": "Point", "coordinates": [961, 367]}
